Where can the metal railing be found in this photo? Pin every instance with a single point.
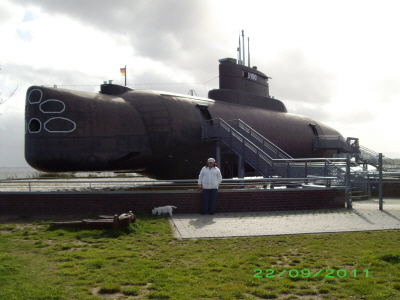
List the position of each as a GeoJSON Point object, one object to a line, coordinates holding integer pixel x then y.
{"type": "Point", "coordinates": [329, 142]}
{"type": "Point", "coordinates": [131, 186]}
{"type": "Point", "coordinates": [251, 153]}
{"type": "Point", "coordinates": [270, 161]}
{"type": "Point", "coordinates": [303, 167]}
{"type": "Point", "coordinates": [371, 157]}
{"type": "Point", "coordinates": [361, 153]}
{"type": "Point", "coordinates": [264, 144]}
{"type": "Point", "coordinates": [392, 167]}
{"type": "Point", "coordinates": [256, 150]}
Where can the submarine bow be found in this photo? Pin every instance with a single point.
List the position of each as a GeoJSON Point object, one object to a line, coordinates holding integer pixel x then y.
{"type": "Point", "coordinates": [70, 131]}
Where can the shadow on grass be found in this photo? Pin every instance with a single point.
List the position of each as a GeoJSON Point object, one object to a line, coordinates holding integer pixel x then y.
{"type": "Point", "coordinates": [98, 233]}
{"type": "Point", "coordinates": [391, 258]}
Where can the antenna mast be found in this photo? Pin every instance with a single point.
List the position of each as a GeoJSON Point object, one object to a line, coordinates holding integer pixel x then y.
{"type": "Point", "coordinates": [242, 51]}
{"type": "Point", "coordinates": [239, 49]}
{"type": "Point", "coordinates": [248, 49]}
{"type": "Point", "coordinates": [244, 54]}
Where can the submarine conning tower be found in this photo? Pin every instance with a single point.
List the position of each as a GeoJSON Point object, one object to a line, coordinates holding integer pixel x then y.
{"type": "Point", "coordinates": [233, 76]}
{"type": "Point", "coordinates": [239, 84]}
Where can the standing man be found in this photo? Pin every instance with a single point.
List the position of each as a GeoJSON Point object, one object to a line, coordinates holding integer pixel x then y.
{"type": "Point", "coordinates": [209, 179]}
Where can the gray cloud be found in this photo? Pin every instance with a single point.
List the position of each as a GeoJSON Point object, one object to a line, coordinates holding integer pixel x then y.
{"type": "Point", "coordinates": [177, 33]}
{"type": "Point", "coordinates": [25, 76]}
{"type": "Point", "coordinates": [162, 30]}
{"type": "Point", "coordinates": [297, 78]}
{"type": "Point", "coordinates": [5, 14]}
{"type": "Point", "coordinates": [385, 89]}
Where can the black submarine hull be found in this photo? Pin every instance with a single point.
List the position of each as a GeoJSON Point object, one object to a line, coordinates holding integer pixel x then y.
{"type": "Point", "coordinates": [159, 133]}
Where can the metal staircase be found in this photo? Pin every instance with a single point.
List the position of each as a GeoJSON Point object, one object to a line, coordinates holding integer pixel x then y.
{"type": "Point", "coordinates": [257, 139]}
{"type": "Point", "coordinates": [263, 155]}
{"type": "Point", "coordinates": [367, 156]}
{"type": "Point", "coordinates": [271, 161]}
{"type": "Point", "coordinates": [219, 130]}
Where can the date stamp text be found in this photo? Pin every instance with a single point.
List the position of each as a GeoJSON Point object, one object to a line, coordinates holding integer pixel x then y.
{"type": "Point", "coordinates": [306, 273]}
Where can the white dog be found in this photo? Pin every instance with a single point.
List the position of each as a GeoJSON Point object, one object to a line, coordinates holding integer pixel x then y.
{"type": "Point", "coordinates": [163, 210]}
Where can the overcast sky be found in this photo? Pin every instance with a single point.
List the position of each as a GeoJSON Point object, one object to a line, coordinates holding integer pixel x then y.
{"type": "Point", "coordinates": [335, 61]}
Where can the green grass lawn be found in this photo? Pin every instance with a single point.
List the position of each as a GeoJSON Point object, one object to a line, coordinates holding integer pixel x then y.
{"type": "Point", "coordinates": [146, 262]}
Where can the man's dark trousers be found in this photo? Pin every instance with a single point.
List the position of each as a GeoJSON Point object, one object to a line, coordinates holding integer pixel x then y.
{"type": "Point", "coordinates": [209, 200]}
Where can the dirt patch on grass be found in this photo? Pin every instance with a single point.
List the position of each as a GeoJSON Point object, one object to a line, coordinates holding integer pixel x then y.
{"type": "Point", "coordinates": [143, 291]}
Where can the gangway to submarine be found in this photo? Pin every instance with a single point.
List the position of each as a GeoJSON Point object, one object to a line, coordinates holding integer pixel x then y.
{"type": "Point", "coordinates": [362, 159]}
{"type": "Point", "coordinates": [362, 155]}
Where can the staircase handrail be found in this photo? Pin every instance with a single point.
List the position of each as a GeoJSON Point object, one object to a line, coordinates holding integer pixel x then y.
{"type": "Point", "coordinates": [277, 165]}
{"type": "Point", "coordinates": [245, 143]}
{"type": "Point", "coordinates": [239, 136]}
{"type": "Point", "coordinates": [267, 145]}
{"type": "Point", "coordinates": [280, 154]}
{"type": "Point", "coordinates": [372, 156]}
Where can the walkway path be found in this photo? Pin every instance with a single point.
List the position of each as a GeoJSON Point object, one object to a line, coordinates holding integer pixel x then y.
{"type": "Point", "coordinates": [364, 216]}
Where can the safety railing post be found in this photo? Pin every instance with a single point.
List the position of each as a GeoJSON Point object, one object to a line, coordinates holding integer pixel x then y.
{"type": "Point", "coordinates": [218, 154]}
{"type": "Point", "coordinates": [380, 182]}
{"type": "Point", "coordinates": [349, 204]}
{"type": "Point", "coordinates": [273, 168]}
{"type": "Point", "coordinates": [218, 129]}
{"type": "Point", "coordinates": [288, 170]}
{"type": "Point", "coordinates": [243, 148]}
{"type": "Point", "coordinates": [306, 171]}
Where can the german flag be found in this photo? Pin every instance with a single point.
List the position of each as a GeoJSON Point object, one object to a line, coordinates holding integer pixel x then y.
{"type": "Point", "coordinates": [123, 71]}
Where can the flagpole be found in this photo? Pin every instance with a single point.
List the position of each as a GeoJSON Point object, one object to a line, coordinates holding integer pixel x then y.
{"type": "Point", "coordinates": [125, 75]}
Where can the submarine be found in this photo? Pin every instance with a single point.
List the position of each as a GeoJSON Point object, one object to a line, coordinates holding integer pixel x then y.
{"type": "Point", "coordinates": [159, 133]}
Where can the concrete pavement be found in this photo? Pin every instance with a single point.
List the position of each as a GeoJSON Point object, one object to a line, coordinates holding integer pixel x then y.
{"type": "Point", "coordinates": [364, 216]}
